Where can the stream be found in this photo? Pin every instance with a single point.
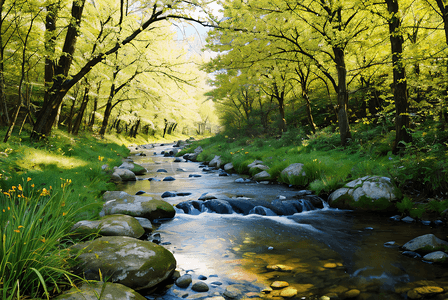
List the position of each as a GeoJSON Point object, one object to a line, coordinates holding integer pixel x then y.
{"type": "Point", "coordinates": [319, 252]}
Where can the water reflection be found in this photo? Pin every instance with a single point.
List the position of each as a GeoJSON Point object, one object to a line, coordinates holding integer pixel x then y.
{"type": "Point", "coordinates": [323, 252]}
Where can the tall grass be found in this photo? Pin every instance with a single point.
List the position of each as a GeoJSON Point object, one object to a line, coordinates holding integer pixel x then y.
{"type": "Point", "coordinates": [34, 222]}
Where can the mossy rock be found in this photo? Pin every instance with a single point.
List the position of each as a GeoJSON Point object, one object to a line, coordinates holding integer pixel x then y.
{"type": "Point", "coordinates": [370, 193]}
{"type": "Point", "coordinates": [91, 291]}
{"type": "Point", "coordinates": [134, 263]}
{"type": "Point", "coordinates": [138, 206]}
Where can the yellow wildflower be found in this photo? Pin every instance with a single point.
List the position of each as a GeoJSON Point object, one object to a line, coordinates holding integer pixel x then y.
{"type": "Point", "coordinates": [28, 179]}
{"type": "Point", "coordinates": [20, 188]}
{"type": "Point", "coordinates": [32, 185]}
{"type": "Point", "coordinates": [45, 192]}
{"type": "Point", "coordinates": [16, 230]}
{"type": "Point", "coordinates": [21, 226]}
{"type": "Point", "coordinates": [43, 240]}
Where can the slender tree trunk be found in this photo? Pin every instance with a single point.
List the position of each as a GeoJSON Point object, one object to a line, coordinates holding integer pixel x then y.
{"type": "Point", "coordinates": [4, 114]}
{"type": "Point", "coordinates": [81, 111]}
{"type": "Point", "coordinates": [399, 77]}
{"type": "Point", "coordinates": [344, 128]}
{"type": "Point", "coordinates": [95, 107]}
{"type": "Point", "coordinates": [308, 110]}
{"type": "Point", "coordinates": [109, 106]}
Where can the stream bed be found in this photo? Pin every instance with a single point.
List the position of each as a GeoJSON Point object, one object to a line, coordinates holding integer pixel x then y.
{"type": "Point", "coordinates": [321, 253]}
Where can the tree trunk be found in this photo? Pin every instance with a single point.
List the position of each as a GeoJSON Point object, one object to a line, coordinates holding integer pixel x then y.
{"type": "Point", "coordinates": [47, 115]}
{"type": "Point", "coordinates": [95, 107]}
{"type": "Point", "coordinates": [107, 113]}
{"type": "Point", "coordinates": [81, 111]}
{"type": "Point", "coordinates": [308, 110]}
{"type": "Point", "coordinates": [399, 77]}
{"type": "Point", "coordinates": [344, 128]}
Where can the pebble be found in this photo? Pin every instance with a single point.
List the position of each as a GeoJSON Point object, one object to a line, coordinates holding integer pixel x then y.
{"type": "Point", "coordinates": [140, 193]}
{"type": "Point", "coordinates": [288, 292]}
{"type": "Point", "coordinates": [279, 284]}
{"type": "Point", "coordinates": [396, 218]}
{"type": "Point", "coordinates": [168, 195]}
{"type": "Point", "coordinates": [177, 160]}
{"type": "Point", "coordinates": [202, 277]}
{"type": "Point", "coordinates": [411, 254]}
{"type": "Point", "coordinates": [169, 178]}
{"type": "Point", "coordinates": [184, 281]}
{"type": "Point", "coordinates": [352, 293]}
{"type": "Point", "coordinates": [231, 292]}
{"type": "Point", "coordinates": [200, 287]}
{"type": "Point", "coordinates": [216, 282]}
{"type": "Point", "coordinates": [183, 194]}
{"type": "Point", "coordinates": [162, 171]}
{"type": "Point", "coordinates": [390, 244]}
{"type": "Point", "coordinates": [408, 219]}
{"type": "Point", "coordinates": [194, 175]}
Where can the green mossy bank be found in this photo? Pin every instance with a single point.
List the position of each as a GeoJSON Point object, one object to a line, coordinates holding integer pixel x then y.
{"type": "Point", "coordinates": [419, 173]}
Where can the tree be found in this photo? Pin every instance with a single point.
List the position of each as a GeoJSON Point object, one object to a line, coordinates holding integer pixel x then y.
{"type": "Point", "coordinates": [155, 12]}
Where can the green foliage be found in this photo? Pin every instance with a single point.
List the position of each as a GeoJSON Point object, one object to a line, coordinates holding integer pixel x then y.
{"type": "Point", "coordinates": [34, 221]}
{"type": "Point", "coordinates": [405, 205]}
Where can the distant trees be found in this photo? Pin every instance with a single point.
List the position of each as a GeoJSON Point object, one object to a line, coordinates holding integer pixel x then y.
{"type": "Point", "coordinates": [361, 49]}
{"type": "Point", "coordinates": [60, 43]}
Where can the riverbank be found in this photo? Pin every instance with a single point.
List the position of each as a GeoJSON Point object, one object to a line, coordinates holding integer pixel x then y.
{"type": "Point", "coordinates": [420, 176]}
{"type": "Point", "coordinates": [45, 188]}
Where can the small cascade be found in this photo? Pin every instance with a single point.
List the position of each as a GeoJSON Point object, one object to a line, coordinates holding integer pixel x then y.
{"type": "Point", "coordinates": [246, 206]}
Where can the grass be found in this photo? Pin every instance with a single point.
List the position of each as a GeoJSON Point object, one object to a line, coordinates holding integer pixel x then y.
{"type": "Point", "coordinates": [421, 169]}
{"type": "Point", "coordinates": [46, 187]}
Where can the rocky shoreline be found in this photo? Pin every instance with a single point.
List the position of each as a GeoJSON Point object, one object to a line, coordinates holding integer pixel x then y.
{"type": "Point", "coordinates": [124, 252]}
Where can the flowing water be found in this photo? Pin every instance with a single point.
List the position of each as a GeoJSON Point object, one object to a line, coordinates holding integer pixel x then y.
{"type": "Point", "coordinates": [318, 252]}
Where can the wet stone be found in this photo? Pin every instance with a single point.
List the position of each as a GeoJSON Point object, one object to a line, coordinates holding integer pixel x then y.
{"type": "Point", "coordinates": [232, 292]}
{"type": "Point", "coordinates": [288, 292]}
{"type": "Point", "coordinates": [184, 281]}
{"type": "Point", "coordinates": [183, 194]}
{"type": "Point", "coordinates": [279, 284]}
{"type": "Point", "coordinates": [396, 218]}
{"type": "Point", "coordinates": [200, 287]}
{"type": "Point", "coordinates": [140, 193]}
{"type": "Point", "coordinates": [282, 268]}
{"type": "Point", "coordinates": [216, 283]}
{"type": "Point", "coordinates": [168, 195]}
{"type": "Point", "coordinates": [162, 171]}
{"type": "Point", "coordinates": [352, 293]}
{"type": "Point", "coordinates": [206, 197]}
{"type": "Point", "coordinates": [408, 219]}
{"type": "Point", "coordinates": [194, 176]}
{"type": "Point", "coordinates": [169, 178]}
{"type": "Point", "coordinates": [202, 277]}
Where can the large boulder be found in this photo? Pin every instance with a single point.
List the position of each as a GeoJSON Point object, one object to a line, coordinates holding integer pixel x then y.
{"type": "Point", "coordinates": [215, 162]}
{"type": "Point", "coordinates": [193, 156]}
{"type": "Point", "coordinates": [371, 193]}
{"type": "Point", "coordinates": [426, 243]}
{"type": "Point", "coordinates": [254, 163]}
{"type": "Point", "coordinates": [124, 175]}
{"type": "Point", "coordinates": [293, 171]}
{"type": "Point", "coordinates": [133, 167]}
{"type": "Point", "coordinates": [91, 291]}
{"type": "Point", "coordinates": [262, 176]}
{"type": "Point", "coordinates": [134, 263]}
{"type": "Point", "coordinates": [137, 206]}
{"type": "Point", "coordinates": [113, 225]}
{"type": "Point", "coordinates": [228, 167]}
